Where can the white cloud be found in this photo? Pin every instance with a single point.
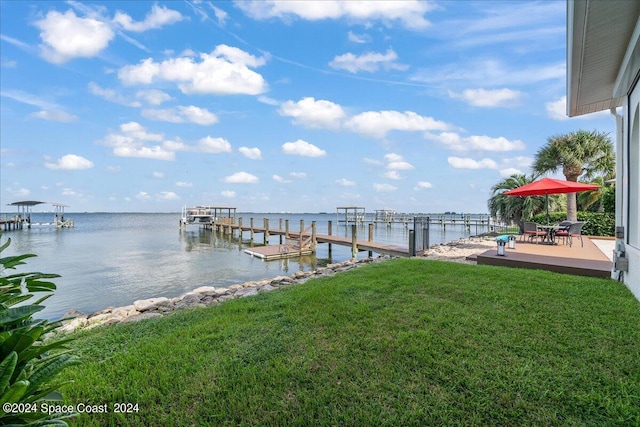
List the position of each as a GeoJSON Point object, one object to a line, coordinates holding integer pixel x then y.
{"type": "Point", "coordinates": [66, 36]}
{"type": "Point", "coordinates": [228, 194]}
{"type": "Point", "coordinates": [251, 153]}
{"type": "Point", "coordinates": [489, 98]}
{"type": "Point", "coordinates": [153, 96]}
{"type": "Point", "coordinates": [345, 182]}
{"type": "Point", "coordinates": [370, 61]}
{"type": "Point", "coordinates": [318, 114]}
{"type": "Point", "coordinates": [131, 140]}
{"type": "Point", "coordinates": [298, 175]}
{"type": "Point", "coordinates": [158, 17]}
{"type": "Point", "coordinates": [458, 143]}
{"type": "Point", "coordinates": [269, 101]}
{"type": "Point", "coordinates": [358, 38]}
{"type": "Point", "coordinates": [197, 115]}
{"type": "Point", "coordinates": [378, 123]}
{"type": "Point", "coordinates": [392, 175]}
{"type": "Point", "coordinates": [557, 110]}
{"type": "Point", "coordinates": [280, 179]}
{"type": "Point", "coordinates": [400, 165]}
{"type": "Point", "coordinates": [21, 192]}
{"type": "Point", "coordinates": [491, 73]}
{"type": "Point", "coordinates": [302, 148]}
{"type": "Point", "coordinates": [522, 162]}
{"type": "Point", "coordinates": [184, 184]}
{"type": "Point", "coordinates": [214, 145]}
{"type": "Point", "coordinates": [70, 162]}
{"type": "Point", "coordinates": [393, 157]}
{"type": "Point", "coordinates": [182, 114]}
{"type": "Point", "coordinates": [162, 115]}
{"type": "Point", "coordinates": [69, 192]}
{"type": "Point", "coordinates": [467, 163]}
{"type": "Point", "coordinates": [384, 188]}
{"type": "Point", "coordinates": [220, 14]}
{"type": "Point", "coordinates": [224, 71]}
{"type": "Point", "coordinates": [156, 152]}
{"type": "Point", "coordinates": [423, 184]}
{"type": "Point", "coordinates": [509, 171]}
{"type": "Point", "coordinates": [111, 95]}
{"type": "Point", "coordinates": [167, 195]}
{"type": "Point", "coordinates": [409, 14]}
{"type": "Point", "coordinates": [396, 162]}
{"type": "Point", "coordinates": [143, 195]}
{"type": "Point", "coordinates": [54, 116]}
{"type": "Point", "coordinates": [241, 178]}
{"type": "Point", "coordinates": [158, 175]}
{"type": "Point", "coordinates": [49, 110]}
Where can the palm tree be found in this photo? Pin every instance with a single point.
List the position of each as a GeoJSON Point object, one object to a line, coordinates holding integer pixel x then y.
{"type": "Point", "coordinates": [510, 208]}
{"type": "Point", "coordinates": [594, 200]}
{"type": "Point", "coordinates": [580, 154]}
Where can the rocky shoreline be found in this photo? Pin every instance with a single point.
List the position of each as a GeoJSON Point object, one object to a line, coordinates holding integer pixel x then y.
{"type": "Point", "coordinates": [203, 296]}
{"type": "Point", "coordinates": [200, 297]}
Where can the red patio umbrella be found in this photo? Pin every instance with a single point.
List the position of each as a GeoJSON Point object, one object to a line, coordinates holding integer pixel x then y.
{"type": "Point", "coordinates": [546, 186]}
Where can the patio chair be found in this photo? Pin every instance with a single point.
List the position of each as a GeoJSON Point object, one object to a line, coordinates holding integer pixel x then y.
{"type": "Point", "coordinates": [574, 230]}
{"type": "Point", "coordinates": [531, 231]}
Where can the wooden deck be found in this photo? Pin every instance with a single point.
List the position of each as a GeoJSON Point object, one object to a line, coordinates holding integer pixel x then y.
{"type": "Point", "coordinates": [581, 261]}
{"type": "Point", "coordinates": [271, 252]}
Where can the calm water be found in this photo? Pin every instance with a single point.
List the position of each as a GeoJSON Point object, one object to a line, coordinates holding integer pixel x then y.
{"type": "Point", "coordinates": [113, 259]}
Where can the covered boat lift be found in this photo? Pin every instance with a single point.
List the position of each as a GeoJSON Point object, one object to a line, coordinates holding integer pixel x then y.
{"type": "Point", "coordinates": [24, 215]}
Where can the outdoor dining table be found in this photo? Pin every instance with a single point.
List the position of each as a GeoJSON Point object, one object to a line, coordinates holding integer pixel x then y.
{"type": "Point", "coordinates": [550, 238]}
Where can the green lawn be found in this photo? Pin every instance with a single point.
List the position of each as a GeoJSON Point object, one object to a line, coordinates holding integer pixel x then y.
{"type": "Point", "coordinates": [406, 342]}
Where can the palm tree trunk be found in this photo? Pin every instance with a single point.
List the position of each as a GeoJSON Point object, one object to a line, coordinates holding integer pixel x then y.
{"type": "Point", "coordinates": [572, 208]}
{"type": "Point", "coordinates": [571, 173]}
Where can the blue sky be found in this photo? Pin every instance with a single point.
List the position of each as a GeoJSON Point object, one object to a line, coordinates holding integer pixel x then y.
{"type": "Point", "coordinates": [269, 106]}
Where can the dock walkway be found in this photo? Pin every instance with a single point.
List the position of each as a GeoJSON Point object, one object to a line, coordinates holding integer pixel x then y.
{"type": "Point", "coordinates": [288, 249]}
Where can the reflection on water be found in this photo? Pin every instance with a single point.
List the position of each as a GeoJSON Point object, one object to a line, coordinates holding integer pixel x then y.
{"type": "Point", "coordinates": [111, 259]}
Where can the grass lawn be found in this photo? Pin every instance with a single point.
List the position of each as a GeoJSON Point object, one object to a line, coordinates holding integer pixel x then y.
{"type": "Point", "coordinates": [406, 342]}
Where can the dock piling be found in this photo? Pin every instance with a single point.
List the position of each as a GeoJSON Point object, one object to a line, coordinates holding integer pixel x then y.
{"type": "Point", "coordinates": [354, 242]}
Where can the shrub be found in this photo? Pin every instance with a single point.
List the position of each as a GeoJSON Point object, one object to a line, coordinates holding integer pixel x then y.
{"type": "Point", "coordinates": [29, 363]}
{"type": "Point", "coordinates": [609, 199]}
{"type": "Point", "coordinates": [597, 223]}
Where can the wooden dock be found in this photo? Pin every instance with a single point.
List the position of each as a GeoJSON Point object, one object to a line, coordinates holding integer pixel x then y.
{"type": "Point", "coordinates": [13, 223]}
{"type": "Point", "coordinates": [294, 244]}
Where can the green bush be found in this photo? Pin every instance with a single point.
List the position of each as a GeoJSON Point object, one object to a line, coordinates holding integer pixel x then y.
{"type": "Point", "coordinates": [609, 199]}
{"type": "Point", "coordinates": [597, 223]}
{"type": "Point", "coordinates": [29, 363]}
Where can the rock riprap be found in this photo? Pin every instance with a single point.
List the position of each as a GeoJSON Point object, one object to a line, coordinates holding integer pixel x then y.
{"type": "Point", "coordinates": [199, 297]}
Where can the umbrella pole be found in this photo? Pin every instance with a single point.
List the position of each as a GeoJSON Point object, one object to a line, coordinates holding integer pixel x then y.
{"type": "Point", "coordinates": [546, 202]}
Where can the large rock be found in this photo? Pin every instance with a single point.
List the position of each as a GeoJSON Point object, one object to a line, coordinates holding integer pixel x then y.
{"type": "Point", "coordinates": [142, 316]}
{"type": "Point", "coordinates": [121, 313]}
{"type": "Point", "coordinates": [160, 303]}
{"type": "Point", "coordinates": [280, 280]}
{"type": "Point", "coordinates": [190, 300]}
{"type": "Point", "coordinates": [71, 326]}
{"type": "Point", "coordinates": [246, 292]}
{"type": "Point", "coordinates": [204, 290]}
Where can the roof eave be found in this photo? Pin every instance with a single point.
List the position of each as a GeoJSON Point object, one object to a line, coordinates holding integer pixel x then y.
{"type": "Point", "coordinates": [576, 23]}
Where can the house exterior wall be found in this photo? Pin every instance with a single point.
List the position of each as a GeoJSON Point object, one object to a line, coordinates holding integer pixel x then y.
{"type": "Point", "coordinates": [628, 214]}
